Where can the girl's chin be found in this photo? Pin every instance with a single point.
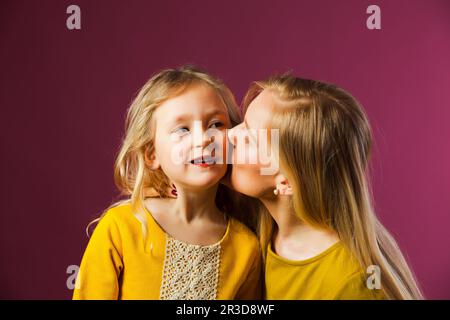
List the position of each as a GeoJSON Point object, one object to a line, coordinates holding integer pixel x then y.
{"type": "Point", "coordinates": [199, 187]}
{"type": "Point", "coordinates": [202, 183]}
{"type": "Point", "coordinates": [242, 183]}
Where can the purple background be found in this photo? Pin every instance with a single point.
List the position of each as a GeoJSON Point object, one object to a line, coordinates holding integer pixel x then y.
{"type": "Point", "coordinates": [64, 95]}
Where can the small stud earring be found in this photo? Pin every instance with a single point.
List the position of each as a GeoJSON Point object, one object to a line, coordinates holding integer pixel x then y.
{"type": "Point", "coordinates": [174, 190]}
{"type": "Point", "coordinates": [275, 192]}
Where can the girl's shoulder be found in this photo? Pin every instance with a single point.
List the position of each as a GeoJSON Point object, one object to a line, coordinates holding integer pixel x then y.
{"type": "Point", "coordinates": [158, 205]}
{"type": "Point", "coordinates": [120, 216]}
{"type": "Point", "coordinates": [242, 234]}
{"type": "Point", "coordinates": [118, 211]}
{"type": "Point", "coordinates": [124, 211]}
{"type": "Point", "coordinates": [243, 245]}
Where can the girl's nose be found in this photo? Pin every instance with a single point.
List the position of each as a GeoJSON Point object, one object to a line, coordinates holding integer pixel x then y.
{"type": "Point", "coordinates": [200, 138]}
{"type": "Point", "coordinates": [203, 142]}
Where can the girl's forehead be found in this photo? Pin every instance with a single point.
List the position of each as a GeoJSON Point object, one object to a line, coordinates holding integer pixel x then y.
{"type": "Point", "coordinates": [260, 110]}
{"type": "Point", "coordinates": [196, 101]}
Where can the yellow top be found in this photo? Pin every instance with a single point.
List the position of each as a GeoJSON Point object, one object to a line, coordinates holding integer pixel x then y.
{"type": "Point", "coordinates": [333, 274]}
{"type": "Point", "coordinates": [119, 264]}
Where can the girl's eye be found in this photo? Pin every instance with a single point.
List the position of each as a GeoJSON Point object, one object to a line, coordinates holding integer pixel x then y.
{"type": "Point", "coordinates": [217, 124]}
{"type": "Point", "coordinates": [181, 131]}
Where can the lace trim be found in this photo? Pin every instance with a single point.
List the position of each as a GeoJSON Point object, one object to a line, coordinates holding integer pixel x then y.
{"type": "Point", "coordinates": [191, 272]}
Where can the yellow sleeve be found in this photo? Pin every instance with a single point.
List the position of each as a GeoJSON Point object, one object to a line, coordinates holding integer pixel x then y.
{"type": "Point", "coordinates": [251, 289]}
{"type": "Point", "coordinates": [354, 288]}
{"type": "Point", "coordinates": [98, 276]}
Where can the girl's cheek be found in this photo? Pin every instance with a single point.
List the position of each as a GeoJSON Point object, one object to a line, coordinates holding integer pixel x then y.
{"type": "Point", "coordinates": [178, 151]}
{"type": "Point", "coordinates": [251, 154]}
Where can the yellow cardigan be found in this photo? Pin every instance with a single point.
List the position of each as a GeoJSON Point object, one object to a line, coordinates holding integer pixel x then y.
{"type": "Point", "coordinates": [119, 264]}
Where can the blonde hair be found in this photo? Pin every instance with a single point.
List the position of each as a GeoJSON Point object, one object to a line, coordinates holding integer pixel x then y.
{"type": "Point", "coordinates": [325, 146]}
{"type": "Point", "coordinates": [132, 176]}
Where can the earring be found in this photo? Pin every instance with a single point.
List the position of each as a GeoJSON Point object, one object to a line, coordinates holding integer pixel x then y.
{"type": "Point", "coordinates": [174, 190]}
{"type": "Point", "coordinates": [275, 192]}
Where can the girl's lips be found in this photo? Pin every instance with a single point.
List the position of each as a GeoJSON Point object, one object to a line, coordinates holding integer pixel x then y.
{"type": "Point", "coordinates": [203, 161]}
{"type": "Point", "coordinates": [204, 165]}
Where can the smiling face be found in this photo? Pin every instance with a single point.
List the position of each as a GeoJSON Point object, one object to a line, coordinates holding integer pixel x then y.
{"type": "Point", "coordinates": [245, 177]}
{"type": "Point", "coordinates": [190, 128]}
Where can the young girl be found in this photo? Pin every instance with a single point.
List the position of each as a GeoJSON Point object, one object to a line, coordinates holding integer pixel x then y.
{"type": "Point", "coordinates": [165, 248]}
{"type": "Point", "coordinates": [320, 235]}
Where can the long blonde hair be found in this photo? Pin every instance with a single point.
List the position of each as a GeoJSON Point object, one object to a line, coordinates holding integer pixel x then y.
{"type": "Point", "coordinates": [132, 176]}
{"type": "Point", "coordinates": [325, 146]}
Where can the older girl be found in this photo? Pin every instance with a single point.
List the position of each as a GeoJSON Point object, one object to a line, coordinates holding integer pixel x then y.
{"type": "Point", "coordinates": [319, 232]}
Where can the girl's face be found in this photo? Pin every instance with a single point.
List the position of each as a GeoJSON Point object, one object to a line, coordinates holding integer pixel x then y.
{"type": "Point", "coordinates": [190, 132]}
{"type": "Point", "coordinates": [245, 177]}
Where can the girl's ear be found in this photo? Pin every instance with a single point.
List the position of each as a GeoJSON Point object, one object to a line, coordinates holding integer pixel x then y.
{"type": "Point", "coordinates": [282, 186]}
{"type": "Point", "coordinates": [151, 160]}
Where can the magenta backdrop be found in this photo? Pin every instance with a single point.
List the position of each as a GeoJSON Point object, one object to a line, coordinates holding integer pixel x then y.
{"type": "Point", "coordinates": [64, 95]}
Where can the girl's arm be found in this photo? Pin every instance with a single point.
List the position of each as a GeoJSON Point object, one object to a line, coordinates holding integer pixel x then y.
{"type": "Point", "coordinates": [98, 276]}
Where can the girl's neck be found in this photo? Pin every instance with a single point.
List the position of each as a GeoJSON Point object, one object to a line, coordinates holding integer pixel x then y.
{"type": "Point", "coordinates": [282, 211]}
{"type": "Point", "coordinates": [194, 204]}
{"type": "Point", "coordinates": [290, 227]}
